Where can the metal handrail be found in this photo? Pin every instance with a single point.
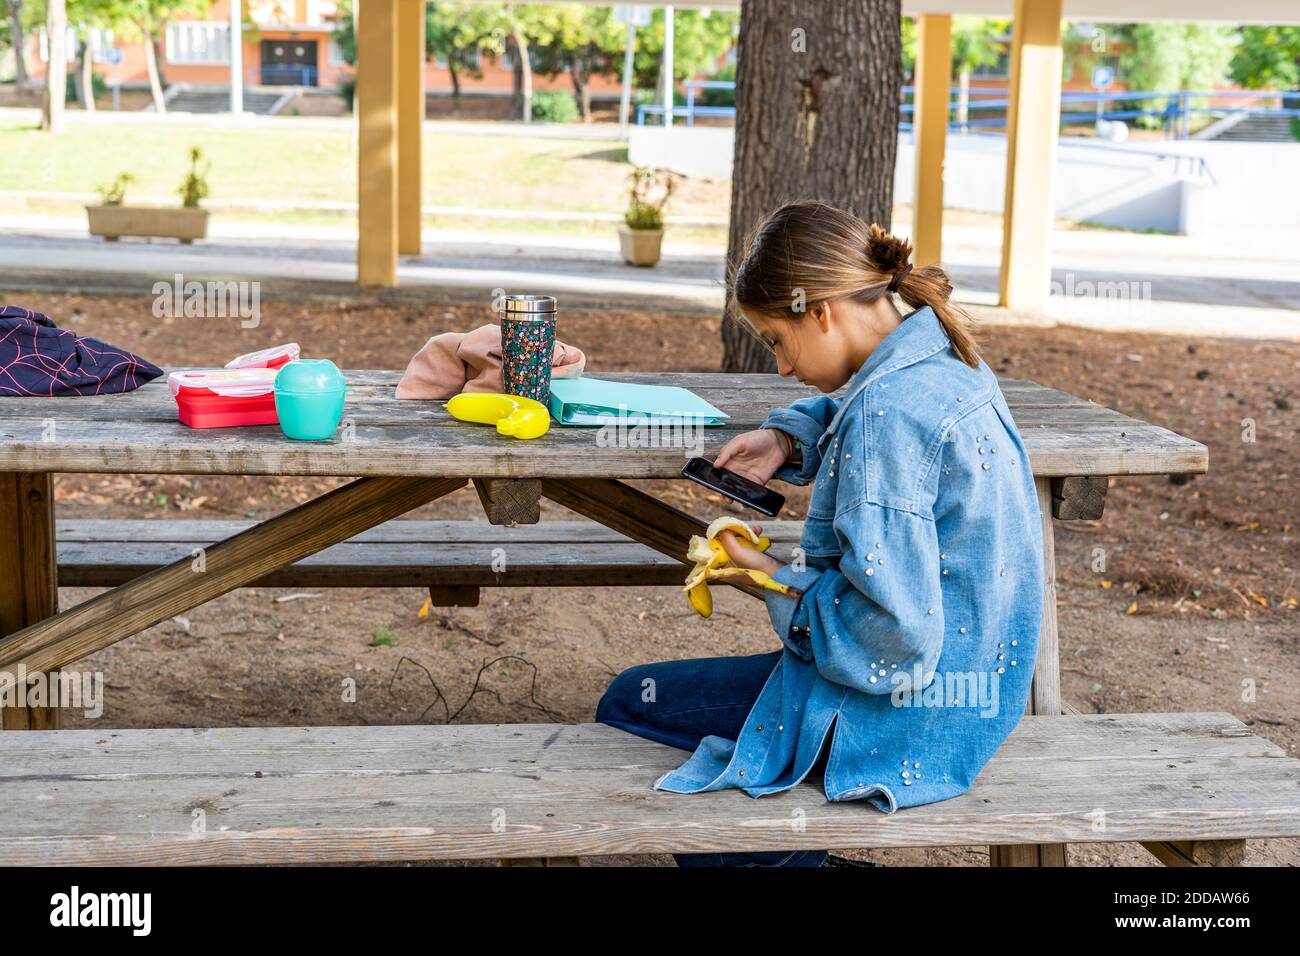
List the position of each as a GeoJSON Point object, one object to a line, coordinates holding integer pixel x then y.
{"type": "Point", "coordinates": [1176, 114]}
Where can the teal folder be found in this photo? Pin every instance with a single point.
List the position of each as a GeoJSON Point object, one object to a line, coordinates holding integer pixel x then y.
{"type": "Point", "coordinates": [595, 401]}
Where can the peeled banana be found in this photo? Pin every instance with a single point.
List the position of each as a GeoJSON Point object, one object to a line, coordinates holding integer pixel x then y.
{"type": "Point", "coordinates": [710, 557]}
{"type": "Point", "coordinates": [513, 415]}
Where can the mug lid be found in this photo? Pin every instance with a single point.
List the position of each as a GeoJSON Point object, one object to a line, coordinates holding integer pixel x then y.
{"type": "Point", "coordinates": [528, 303]}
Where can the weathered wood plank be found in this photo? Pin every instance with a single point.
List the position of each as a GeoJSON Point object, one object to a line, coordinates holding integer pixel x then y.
{"type": "Point", "coordinates": [28, 584]}
{"type": "Point", "coordinates": [1087, 740]}
{"type": "Point", "coordinates": [300, 795]}
{"type": "Point", "coordinates": [137, 432]}
{"type": "Point", "coordinates": [404, 553]}
{"type": "Point", "coordinates": [109, 617]}
{"type": "Point", "coordinates": [400, 531]}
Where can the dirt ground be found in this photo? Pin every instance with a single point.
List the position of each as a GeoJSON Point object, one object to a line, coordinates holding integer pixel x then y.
{"type": "Point", "coordinates": [1197, 599]}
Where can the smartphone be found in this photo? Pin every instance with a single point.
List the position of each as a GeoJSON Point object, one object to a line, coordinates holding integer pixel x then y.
{"type": "Point", "coordinates": [734, 486]}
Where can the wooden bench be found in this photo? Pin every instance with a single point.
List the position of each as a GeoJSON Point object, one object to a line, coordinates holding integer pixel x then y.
{"type": "Point", "coordinates": [538, 791]}
{"type": "Point", "coordinates": [454, 559]}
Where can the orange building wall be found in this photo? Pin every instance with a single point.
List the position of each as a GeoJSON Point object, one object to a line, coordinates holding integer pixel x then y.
{"type": "Point", "coordinates": [132, 69]}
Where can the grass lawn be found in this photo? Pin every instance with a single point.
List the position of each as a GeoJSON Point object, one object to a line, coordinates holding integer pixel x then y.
{"type": "Point", "coordinates": [315, 164]}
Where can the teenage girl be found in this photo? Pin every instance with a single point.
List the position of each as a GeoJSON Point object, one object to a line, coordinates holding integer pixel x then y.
{"type": "Point", "coordinates": [907, 658]}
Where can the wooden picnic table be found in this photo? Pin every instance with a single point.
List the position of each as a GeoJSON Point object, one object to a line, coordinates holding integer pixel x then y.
{"type": "Point", "coordinates": [404, 454]}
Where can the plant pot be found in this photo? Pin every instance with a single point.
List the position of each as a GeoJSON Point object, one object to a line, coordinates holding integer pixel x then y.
{"type": "Point", "coordinates": [166, 222]}
{"type": "Point", "coordinates": [640, 246]}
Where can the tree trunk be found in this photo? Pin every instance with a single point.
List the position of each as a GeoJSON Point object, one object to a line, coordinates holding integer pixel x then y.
{"type": "Point", "coordinates": [158, 57]}
{"type": "Point", "coordinates": [56, 70]}
{"type": "Point", "coordinates": [582, 90]}
{"type": "Point", "coordinates": [151, 67]}
{"type": "Point", "coordinates": [455, 83]}
{"type": "Point", "coordinates": [16, 32]}
{"type": "Point", "coordinates": [517, 78]}
{"type": "Point", "coordinates": [816, 118]}
{"type": "Point", "coordinates": [525, 73]}
{"type": "Point", "coordinates": [87, 74]}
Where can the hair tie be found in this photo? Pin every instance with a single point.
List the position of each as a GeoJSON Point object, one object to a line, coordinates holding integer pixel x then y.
{"type": "Point", "coordinates": [897, 280]}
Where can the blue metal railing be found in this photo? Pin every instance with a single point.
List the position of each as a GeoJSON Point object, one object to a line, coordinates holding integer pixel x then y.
{"type": "Point", "coordinates": [690, 110]}
{"type": "Point", "coordinates": [1176, 116]}
{"type": "Point", "coordinates": [286, 74]}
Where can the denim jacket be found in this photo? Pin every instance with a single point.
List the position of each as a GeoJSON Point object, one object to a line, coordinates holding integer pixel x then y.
{"type": "Point", "coordinates": [912, 647]}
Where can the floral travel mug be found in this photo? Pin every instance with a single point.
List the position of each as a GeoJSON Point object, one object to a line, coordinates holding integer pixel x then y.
{"type": "Point", "coordinates": [528, 345]}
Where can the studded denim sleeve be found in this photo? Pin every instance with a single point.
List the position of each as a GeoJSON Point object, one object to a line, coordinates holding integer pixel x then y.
{"type": "Point", "coordinates": [877, 619]}
{"type": "Point", "coordinates": [789, 616]}
{"type": "Point", "coordinates": [804, 421]}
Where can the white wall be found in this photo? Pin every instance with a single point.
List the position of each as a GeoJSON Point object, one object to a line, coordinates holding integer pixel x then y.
{"type": "Point", "coordinates": [703, 151]}
{"type": "Point", "coordinates": [1131, 187]}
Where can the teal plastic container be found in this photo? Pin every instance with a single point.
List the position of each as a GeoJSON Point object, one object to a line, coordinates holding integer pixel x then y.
{"type": "Point", "coordinates": [309, 399]}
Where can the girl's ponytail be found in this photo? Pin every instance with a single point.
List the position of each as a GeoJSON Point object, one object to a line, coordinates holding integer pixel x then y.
{"type": "Point", "coordinates": [926, 286]}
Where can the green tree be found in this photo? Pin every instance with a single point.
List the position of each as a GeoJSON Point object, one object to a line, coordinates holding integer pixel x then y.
{"type": "Point", "coordinates": [1174, 56]}
{"type": "Point", "coordinates": [344, 33]}
{"type": "Point", "coordinates": [976, 42]}
{"type": "Point", "coordinates": [147, 21]}
{"type": "Point", "coordinates": [13, 36]}
{"type": "Point", "coordinates": [1267, 58]}
{"type": "Point", "coordinates": [907, 28]}
{"type": "Point", "coordinates": [85, 17]}
{"type": "Point", "coordinates": [516, 27]}
{"type": "Point", "coordinates": [585, 42]}
{"type": "Point", "coordinates": [456, 33]}
{"type": "Point", "coordinates": [700, 38]}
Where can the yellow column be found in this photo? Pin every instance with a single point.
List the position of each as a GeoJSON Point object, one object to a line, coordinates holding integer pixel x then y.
{"type": "Point", "coordinates": [410, 108]}
{"type": "Point", "coordinates": [1033, 121]}
{"type": "Point", "coordinates": [376, 104]}
{"type": "Point", "coordinates": [930, 129]}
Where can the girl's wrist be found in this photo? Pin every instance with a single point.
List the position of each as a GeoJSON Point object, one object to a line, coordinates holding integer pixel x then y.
{"type": "Point", "coordinates": [793, 455]}
{"type": "Point", "coordinates": [788, 441]}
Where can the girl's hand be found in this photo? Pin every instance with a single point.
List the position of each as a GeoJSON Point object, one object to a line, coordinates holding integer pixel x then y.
{"type": "Point", "coordinates": [745, 555]}
{"type": "Point", "coordinates": [755, 455]}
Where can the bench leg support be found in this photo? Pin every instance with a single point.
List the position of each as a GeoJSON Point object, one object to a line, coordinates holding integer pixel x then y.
{"type": "Point", "coordinates": [454, 596]}
{"type": "Point", "coordinates": [510, 501]}
{"type": "Point", "coordinates": [1200, 852]}
{"type": "Point", "coordinates": [1043, 854]}
{"type": "Point", "coordinates": [636, 514]}
{"type": "Point", "coordinates": [234, 563]}
{"type": "Point", "coordinates": [1045, 694]}
{"type": "Point", "coordinates": [541, 861]}
{"type": "Point", "coordinates": [28, 588]}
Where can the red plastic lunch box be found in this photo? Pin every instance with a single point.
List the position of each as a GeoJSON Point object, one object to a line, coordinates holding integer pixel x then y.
{"type": "Point", "coordinates": [224, 397]}
{"type": "Point", "coordinates": [273, 357]}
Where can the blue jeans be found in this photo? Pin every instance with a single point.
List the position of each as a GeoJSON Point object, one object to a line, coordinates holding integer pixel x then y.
{"type": "Point", "coordinates": [693, 699]}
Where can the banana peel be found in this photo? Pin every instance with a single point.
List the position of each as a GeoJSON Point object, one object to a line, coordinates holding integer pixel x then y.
{"type": "Point", "coordinates": [710, 559]}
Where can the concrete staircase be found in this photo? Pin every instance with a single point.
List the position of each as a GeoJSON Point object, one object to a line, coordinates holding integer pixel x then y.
{"type": "Point", "coordinates": [1256, 129]}
{"type": "Point", "coordinates": [182, 98]}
